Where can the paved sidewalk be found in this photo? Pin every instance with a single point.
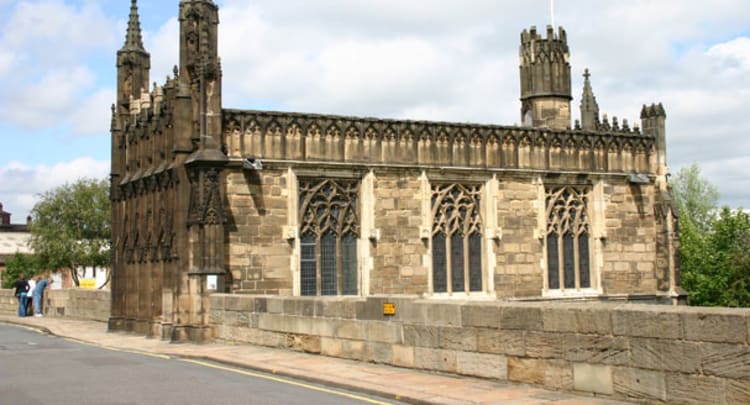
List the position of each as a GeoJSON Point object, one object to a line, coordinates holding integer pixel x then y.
{"type": "Point", "coordinates": [402, 384]}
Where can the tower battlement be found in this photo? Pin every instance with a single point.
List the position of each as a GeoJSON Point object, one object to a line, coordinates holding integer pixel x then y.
{"type": "Point", "coordinates": [545, 79]}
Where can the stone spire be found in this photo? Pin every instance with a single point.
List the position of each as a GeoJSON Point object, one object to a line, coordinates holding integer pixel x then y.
{"type": "Point", "coordinates": [589, 107]}
{"type": "Point", "coordinates": [133, 38]}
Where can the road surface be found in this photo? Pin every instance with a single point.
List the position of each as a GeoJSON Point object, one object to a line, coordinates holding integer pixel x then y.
{"type": "Point", "coordinates": [40, 369]}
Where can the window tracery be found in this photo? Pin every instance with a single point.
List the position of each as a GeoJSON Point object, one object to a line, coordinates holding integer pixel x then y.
{"type": "Point", "coordinates": [456, 238]}
{"type": "Point", "coordinates": [567, 238]}
{"type": "Point", "coordinates": [329, 231]}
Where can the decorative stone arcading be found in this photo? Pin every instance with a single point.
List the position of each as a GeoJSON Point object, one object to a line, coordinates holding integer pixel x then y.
{"type": "Point", "coordinates": [281, 136]}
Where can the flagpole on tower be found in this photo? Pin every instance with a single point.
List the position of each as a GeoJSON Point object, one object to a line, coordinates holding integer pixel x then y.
{"type": "Point", "coordinates": [552, 12]}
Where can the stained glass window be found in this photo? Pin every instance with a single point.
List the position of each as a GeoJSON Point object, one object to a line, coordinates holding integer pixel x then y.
{"type": "Point", "coordinates": [567, 238]}
{"type": "Point", "coordinates": [329, 218]}
{"type": "Point", "coordinates": [456, 238]}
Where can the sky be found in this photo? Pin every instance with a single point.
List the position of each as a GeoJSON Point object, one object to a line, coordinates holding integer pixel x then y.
{"type": "Point", "coordinates": [448, 60]}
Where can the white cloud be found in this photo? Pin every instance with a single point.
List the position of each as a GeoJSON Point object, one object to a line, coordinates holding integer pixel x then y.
{"type": "Point", "coordinates": [164, 47]}
{"type": "Point", "coordinates": [48, 100]}
{"type": "Point", "coordinates": [23, 183]}
{"type": "Point", "coordinates": [732, 55]}
{"type": "Point", "coordinates": [53, 32]}
{"type": "Point", "coordinates": [93, 115]}
{"type": "Point", "coordinates": [45, 65]}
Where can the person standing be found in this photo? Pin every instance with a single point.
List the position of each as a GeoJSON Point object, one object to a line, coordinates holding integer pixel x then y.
{"type": "Point", "coordinates": [32, 284]}
{"type": "Point", "coordinates": [38, 293]}
{"type": "Point", "coordinates": [22, 289]}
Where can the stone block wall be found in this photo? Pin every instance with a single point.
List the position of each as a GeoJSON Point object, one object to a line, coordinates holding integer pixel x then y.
{"type": "Point", "coordinates": [518, 271]}
{"type": "Point", "coordinates": [649, 353]}
{"type": "Point", "coordinates": [263, 226]}
{"type": "Point", "coordinates": [258, 253]}
{"type": "Point", "coordinates": [629, 248]}
{"type": "Point", "coordinates": [8, 302]}
{"type": "Point", "coordinates": [398, 254]}
{"type": "Point", "coordinates": [69, 302]}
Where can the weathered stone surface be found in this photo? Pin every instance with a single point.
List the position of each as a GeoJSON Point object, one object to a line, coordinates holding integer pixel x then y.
{"type": "Point", "coordinates": [474, 314]}
{"type": "Point", "coordinates": [421, 336]}
{"type": "Point", "coordinates": [384, 332]}
{"type": "Point", "coordinates": [521, 316]}
{"type": "Point", "coordinates": [299, 306]}
{"type": "Point", "coordinates": [593, 378]}
{"type": "Point", "coordinates": [596, 349]}
{"type": "Point", "coordinates": [692, 389]}
{"type": "Point", "coordinates": [305, 343]}
{"type": "Point", "coordinates": [715, 325]}
{"type": "Point", "coordinates": [331, 347]}
{"type": "Point", "coordinates": [354, 349]}
{"type": "Point", "coordinates": [403, 356]}
{"type": "Point", "coordinates": [578, 319]}
{"type": "Point", "coordinates": [640, 384]}
{"type": "Point", "coordinates": [323, 326]}
{"type": "Point", "coordinates": [738, 391]}
{"type": "Point", "coordinates": [275, 305]}
{"type": "Point", "coordinates": [647, 321]}
{"type": "Point", "coordinates": [216, 301]}
{"type": "Point", "coordinates": [435, 359]}
{"type": "Point", "coordinates": [440, 314]}
{"type": "Point", "coordinates": [482, 365]}
{"type": "Point", "coordinates": [558, 374]}
{"type": "Point", "coordinates": [544, 344]}
{"type": "Point", "coordinates": [238, 303]}
{"type": "Point", "coordinates": [285, 324]}
{"type": "Point", "coordinates": [380, 352]}
{"type": "Point", "coordinates": [463, 339]}
{"type": "Point", "coordinates": [345, 308]}
{"type": "Point", "coordinates": [725, 360]}
{"type": "Point", "coordinates": [530, 371]}
{"type": "Point", "coordinates": [349, 329]}
{"type": "Point", "coordinates": [496, 341]}
{"type": "Point", "coordinates": [669, 355]}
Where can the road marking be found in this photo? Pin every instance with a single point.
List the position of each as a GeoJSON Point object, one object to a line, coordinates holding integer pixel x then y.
{"type": "Point", "coordinates": [286, 381]}
{"type": "Point", "coordinates": [114, 349]}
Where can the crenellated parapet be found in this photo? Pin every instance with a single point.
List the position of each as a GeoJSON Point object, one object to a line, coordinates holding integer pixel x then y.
{"type": "Point", "coordinates": [399, 143]}
{"type": "Point", "coordinates": [545, 79]}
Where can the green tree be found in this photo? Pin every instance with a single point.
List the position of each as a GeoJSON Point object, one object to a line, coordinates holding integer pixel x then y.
{"type": "Point", "coordinates": [729, 243]}
{"type": "Point", "coordinates": [16, 265]}
{"type": "Point", "coordinates": [697, 199]}
{"type": "Point", "coordinates": [714, 244]}
{"type": "Point", "coordinates": [72, 226]}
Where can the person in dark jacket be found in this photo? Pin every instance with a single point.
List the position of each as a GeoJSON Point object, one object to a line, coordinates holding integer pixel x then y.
{"type": "Point", "coordinates": [22, 289]}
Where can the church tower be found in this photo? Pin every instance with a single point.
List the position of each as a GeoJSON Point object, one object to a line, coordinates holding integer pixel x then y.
{"type": "Point", "coordinates": [545, 79]}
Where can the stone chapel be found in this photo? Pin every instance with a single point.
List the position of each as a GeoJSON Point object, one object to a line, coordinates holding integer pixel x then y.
{"type": "Point", "coordinates": [296, 204]}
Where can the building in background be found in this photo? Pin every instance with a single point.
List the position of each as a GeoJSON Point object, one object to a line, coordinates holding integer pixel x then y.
{"type": "Point", "coordinates": [14, 238]}
{"type": "Point", "coordinates": [303, 204]}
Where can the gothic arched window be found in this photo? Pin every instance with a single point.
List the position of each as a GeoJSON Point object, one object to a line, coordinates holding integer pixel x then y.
{"type": "Point", "coordinates": [329, 230]}
{"type": "Point", "coordinates": [456, 238]}
{"type": "Point", "coordinates": [567, 238]}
